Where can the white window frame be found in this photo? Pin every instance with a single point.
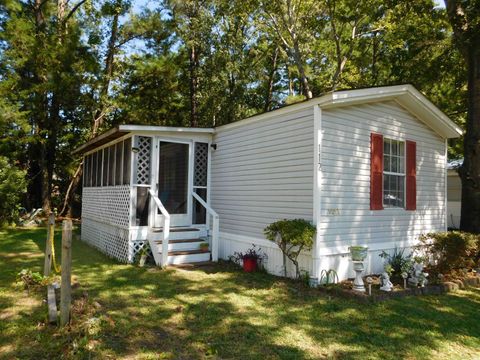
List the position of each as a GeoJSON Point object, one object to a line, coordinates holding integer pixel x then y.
{"type": "Point", "coordinates": [404, 155]}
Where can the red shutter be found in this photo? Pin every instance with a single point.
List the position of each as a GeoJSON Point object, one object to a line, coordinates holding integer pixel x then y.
{"type": "Point", "coordinates": [376, 172]}
{"type": "Point", "coordinates": [411, 176]}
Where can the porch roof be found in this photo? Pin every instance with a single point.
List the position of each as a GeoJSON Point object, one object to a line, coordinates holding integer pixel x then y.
{"type": "Point", "coordinates": [122, 130]}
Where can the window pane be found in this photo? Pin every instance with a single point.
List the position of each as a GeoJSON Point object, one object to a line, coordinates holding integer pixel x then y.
{"type": "Point", "coordinates": [118, 163]}
{"type": "Point", "coordinates": [394, 164]}
{"type": "Point", "coordinates": [401, 165]}
{"type": "Point", "coordinates": [386, 146]}
{"type": "Point", "coordinates": [111, 165]}
{"type": "Point", "coordinates": [394, 147]}
{"type": "Point", "coordinates": [105, 167]}
{"type": "Point", "coordinates": [127, 153]}
{"type": "Point", "coordinates": [386, 163]}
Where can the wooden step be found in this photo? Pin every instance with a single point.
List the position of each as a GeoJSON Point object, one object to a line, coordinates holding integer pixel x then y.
{"type": "Point", "coordinates": [179, 241]}
{"type": "Point", "coordinates": [175, 229]}
{"type": "Point", "coordinates": [186, 252]}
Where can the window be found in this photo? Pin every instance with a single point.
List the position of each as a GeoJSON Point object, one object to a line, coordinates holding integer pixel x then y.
{"type": "Point", "coordinates": [393, 173]}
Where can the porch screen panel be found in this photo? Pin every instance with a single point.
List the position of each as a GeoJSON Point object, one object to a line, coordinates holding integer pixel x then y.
{"type": "Point", "coordinates": [127, 151]}
{"type": "Point", "coordinates": [99, 167]}
{"type": "Point", "coordinates": [105, 166]}
{"type": "Point", "coordinates": [111, 165]}
{"type": "Point", "coordinates": [94, 170]}
{"type": "Point", "coordinates": [118, 163]}
{"type": "Point", "coordinates": [200, 180]}
{"type": "Point", "coordinates": [86, 170]}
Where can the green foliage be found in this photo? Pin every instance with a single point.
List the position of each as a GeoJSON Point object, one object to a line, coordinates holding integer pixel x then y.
{"type": "Point", "coordinates": [12, 188]}
{"type": "Point", "coordinates": [245, 312]}
{"type": "Point", "coordinates": [397, 262]}
{"type": "Point", "coordinates": [291, 236]}
{"type": "Point", "coordinates": [254, 253]}
{"type": "Point", "coordinates": [452, 251]}
{"type": "Point", "coordinates": [31, 279]}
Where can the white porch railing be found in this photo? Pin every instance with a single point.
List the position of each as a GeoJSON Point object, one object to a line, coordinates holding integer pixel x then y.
{"type": "Point", "coordinates": [165, 228]}
{"type": "Point", "coordinates": [215, 226]}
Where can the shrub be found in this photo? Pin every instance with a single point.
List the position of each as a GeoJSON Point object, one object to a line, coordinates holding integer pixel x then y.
{"type": "Point", "coordinates": [291, 236]}
{"type": "Point", "coordinates": [452, 251]}
{"type": "Point", "coordinates": [12, 187]}
{"type": "Point", "coordinates": [398, 262]}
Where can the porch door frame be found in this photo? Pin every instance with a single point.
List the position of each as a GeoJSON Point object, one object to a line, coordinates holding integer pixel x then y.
{"type": "Point", "coordinates": [183, 220]}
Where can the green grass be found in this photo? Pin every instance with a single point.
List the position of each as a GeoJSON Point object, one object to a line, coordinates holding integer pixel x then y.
{"type": "Point", "coordinates": [125, 312]}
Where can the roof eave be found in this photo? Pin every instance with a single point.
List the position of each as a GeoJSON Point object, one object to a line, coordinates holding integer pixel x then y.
{"type": "Point", "coordinates": [405, 95]}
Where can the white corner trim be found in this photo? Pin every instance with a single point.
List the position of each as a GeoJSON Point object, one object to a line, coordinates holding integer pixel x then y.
{"type": "Point", "coordinates": [446, 185]}
{"type": "Point", "coordinates": [317, 172]}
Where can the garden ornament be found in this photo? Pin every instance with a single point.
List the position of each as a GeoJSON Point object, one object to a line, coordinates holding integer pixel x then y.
{"type": "Point", "coordinates": [404, 276]}
{"type": "Point", "coordinates": [369, 282]}
{"type": "Point", "coordinates": [386, 283]}
{"type": "Point", "coordinates": [358, 284]}
{"type": "Point", "coordinates": [416, 274]}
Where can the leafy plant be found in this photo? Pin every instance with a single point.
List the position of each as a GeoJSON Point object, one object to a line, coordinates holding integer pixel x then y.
{"type": "Point", "coordinates": [292, 237]}
{"type": "Point", "coordinates": [253, 253]}
{"type": "Point", "coordinates": [31, 279]}
{"type": "Point", "coordinates": [397, 262]}
{"type": "Point", "coordinates": [451, 251]}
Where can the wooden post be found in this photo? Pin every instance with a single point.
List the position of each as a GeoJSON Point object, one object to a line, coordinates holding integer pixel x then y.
{"type": "Point", "coordinates": [47, 267]}
{"type": "Point", "coordinates": [66, 287]}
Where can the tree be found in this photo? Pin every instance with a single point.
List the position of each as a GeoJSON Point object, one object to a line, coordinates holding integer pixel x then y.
{"type": "Point", "coordinates": [292, 237]}
{"type": "Point", "coordinates": [465, 19]}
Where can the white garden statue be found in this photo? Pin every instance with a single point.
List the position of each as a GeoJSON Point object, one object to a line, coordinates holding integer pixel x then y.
{"type": "Point", "coordinates": [386, 283]}
{"type": "Point", "coordinates": [417, 276]}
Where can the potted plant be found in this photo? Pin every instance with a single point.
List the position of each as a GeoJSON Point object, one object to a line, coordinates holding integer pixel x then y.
{"type": "Point", "coordinates": [358, 253]}
{"type": "Point", "coordinates": [204, 246]}
{"type": "Point", "coordinates": [250, 259]}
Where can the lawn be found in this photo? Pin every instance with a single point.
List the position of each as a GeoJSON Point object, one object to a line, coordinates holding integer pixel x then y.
{"type": "Point", "coordinates": [126, 312]}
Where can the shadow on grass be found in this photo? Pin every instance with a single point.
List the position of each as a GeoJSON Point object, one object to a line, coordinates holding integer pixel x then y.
{"type": "Point", "coordinates": [222, 312]}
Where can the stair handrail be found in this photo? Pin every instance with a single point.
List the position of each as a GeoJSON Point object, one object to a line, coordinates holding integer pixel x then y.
{"type": "Point", "coordinates": [215, 225]}
{"type": "Point", "coordinates": [165, 226]}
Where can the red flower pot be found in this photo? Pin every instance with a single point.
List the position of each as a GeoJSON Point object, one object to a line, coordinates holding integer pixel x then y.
{"type": "Point", "coordinates": [249, 264]}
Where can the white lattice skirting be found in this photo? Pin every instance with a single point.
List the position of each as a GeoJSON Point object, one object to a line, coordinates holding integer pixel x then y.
{"type": "Point", "coordinates": [105, 220]}
{"type": "Point", "coordinates": [111, 240]}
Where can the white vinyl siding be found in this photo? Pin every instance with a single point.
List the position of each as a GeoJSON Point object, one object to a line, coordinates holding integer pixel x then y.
{"type": "Point", "coordinates": [346, 218]}
{"type": "Point", "coordinates": [263, 172]}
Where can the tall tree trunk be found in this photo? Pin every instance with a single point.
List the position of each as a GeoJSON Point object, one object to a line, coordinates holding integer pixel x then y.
{"type": "Point", "coordinates": [99, 114]}
{"type": "Point", "coordinates": [271, 81]}
{"type": "Point", "coordinates": [470, 171]}
{"type": "Point", "coordinates": [41, 112]}
{"type": "Point", "coordinates": [463, 17]}
{"type": "Point", "coordinates": [193, 69]}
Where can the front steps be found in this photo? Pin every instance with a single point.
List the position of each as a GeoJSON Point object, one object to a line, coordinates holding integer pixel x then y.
{"type": "Point", "coordinates": [183, 246]}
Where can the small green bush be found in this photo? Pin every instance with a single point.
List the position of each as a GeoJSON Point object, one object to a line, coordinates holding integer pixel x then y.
{"type": "Point", "coordinates": [452, 250]}
{"type": "Point", "coordinates": [291, 236]}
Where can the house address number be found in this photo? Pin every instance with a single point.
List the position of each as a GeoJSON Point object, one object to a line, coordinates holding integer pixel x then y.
{"type": "Point", "coordinates": [333, 212]}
